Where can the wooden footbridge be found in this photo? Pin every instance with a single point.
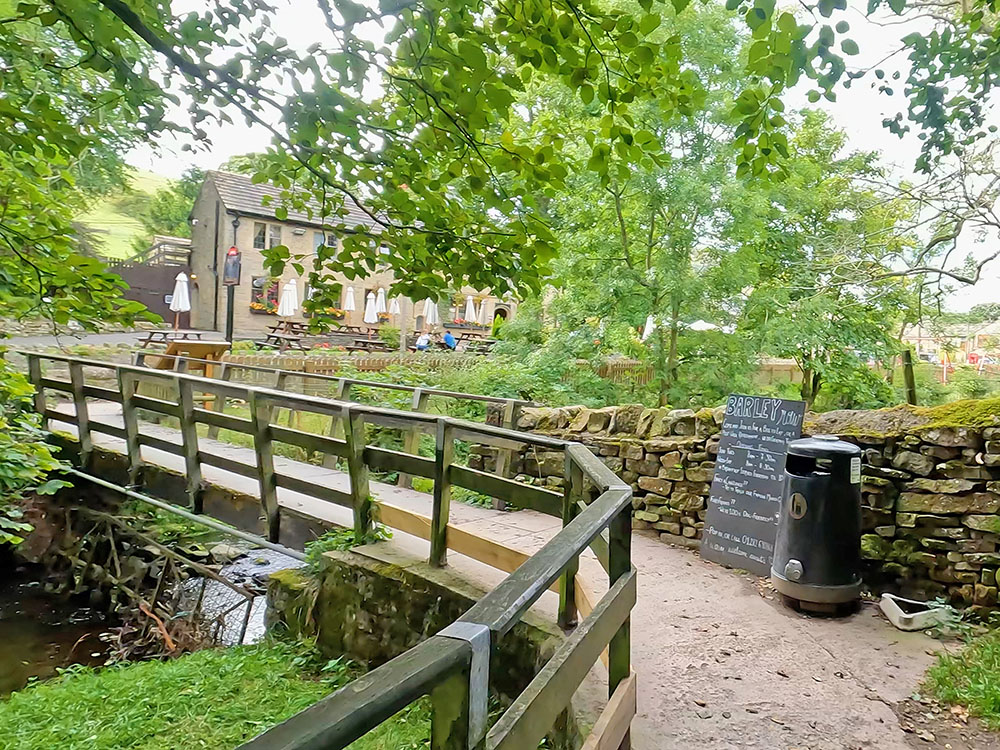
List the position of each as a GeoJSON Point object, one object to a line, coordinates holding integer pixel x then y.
{"type": "Point", "coordinates": [109, 406]}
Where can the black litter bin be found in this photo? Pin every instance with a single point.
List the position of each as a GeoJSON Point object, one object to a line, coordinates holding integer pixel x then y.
{"type": "Point", "coordinates": [817, 552]}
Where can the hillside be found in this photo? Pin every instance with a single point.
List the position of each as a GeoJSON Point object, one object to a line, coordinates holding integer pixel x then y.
{"type": "Point", "coordinates": [113, 220]}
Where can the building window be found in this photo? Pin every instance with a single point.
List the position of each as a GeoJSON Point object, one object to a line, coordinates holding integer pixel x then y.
{"type": "Point", "coordinates": [259, 235]}
{"type": "Point", "coordinates": [318, 240]}
{"type": "Point", "coordinates": [264, 294]}
{"type": "Point", "coordinates": [266, 235]}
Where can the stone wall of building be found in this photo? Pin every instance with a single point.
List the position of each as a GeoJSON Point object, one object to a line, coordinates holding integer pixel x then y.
{"type": "Point", "coordinates": [930, 490]}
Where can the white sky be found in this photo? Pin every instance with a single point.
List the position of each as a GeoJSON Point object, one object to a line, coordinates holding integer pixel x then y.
{"type": "Point", "coordinates": [859, 111]}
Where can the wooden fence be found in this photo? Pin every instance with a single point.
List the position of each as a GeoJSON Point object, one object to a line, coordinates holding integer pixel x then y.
{"type": "Point", "coordinates": [333, 364]}
{"type": "Point", "coordinates": [452, 666]}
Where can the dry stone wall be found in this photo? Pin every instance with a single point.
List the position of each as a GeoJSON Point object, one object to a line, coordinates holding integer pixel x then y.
{"type": "Point", "coordinates": [930, 494]}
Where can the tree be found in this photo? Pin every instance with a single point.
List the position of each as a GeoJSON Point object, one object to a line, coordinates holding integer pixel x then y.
{"type": "Point", "coordinates": [167, 210]}
{"type": "Point", "coordinates": [804, 245]}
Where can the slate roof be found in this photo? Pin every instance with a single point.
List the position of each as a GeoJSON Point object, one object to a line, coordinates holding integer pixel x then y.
{"type": "Point", "coordinates": [240, 195]}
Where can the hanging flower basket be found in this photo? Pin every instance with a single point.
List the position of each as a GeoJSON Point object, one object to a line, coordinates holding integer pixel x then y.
{"type": "Point", "coordinates": [259, 308]}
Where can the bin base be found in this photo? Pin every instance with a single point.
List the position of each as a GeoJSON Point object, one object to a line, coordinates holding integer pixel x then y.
{"type": "Point", "coordinates": [810, 592]}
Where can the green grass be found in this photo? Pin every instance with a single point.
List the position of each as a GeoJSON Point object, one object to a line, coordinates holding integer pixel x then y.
{"type": "Point", "coordinates": [114, 225]}
{"type": "Point", "coordinates": [215, 699]}
{"type": "Point", "coordinates": [971, 678]}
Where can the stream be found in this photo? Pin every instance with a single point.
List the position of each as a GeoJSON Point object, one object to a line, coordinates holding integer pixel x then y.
{"type": "Point", "coordinates": [41, 632]}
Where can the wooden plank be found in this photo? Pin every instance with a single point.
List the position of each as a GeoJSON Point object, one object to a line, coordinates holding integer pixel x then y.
{"type": "Point", "coordinates": [504, 457]}
{"type": "Point", "coordinates": [573, 488]}
{"type": "Point", "coordinates": [329, 494]}
{"type": "Point", "coordinates": [161, 444]}
{"type": "Point", "coordinates": [157, 405]}
{"type": "Point", "coordinates": [82, 414]}
{"type": "Point", "coordinates": [217, 420]}
{"type": "Point", "coordinates": [531, 715]}
{"type": "Point", "coordinates": [107, 429]}
{"type": "Point", "coordinates": [619, 566]}
{"type": "Point", "coordinates": [260, 416]}
{"type": "Point", "coordinates": [613, 724]}
{"type": "Point", "coordinates": [450, 713]}
{"type": "Point", "coordinates": [411, 439]}
{"type": "Point", "coordinates": [225, 374]}
{"type": "Point", "coordinates": [36, 379]}
{"type": "Point", "coordinates": [383, 459]}
{"type": "Point", "coordinates": [342, 392]}
{"type": "Point", "coordinates": [354, 437]}
{"type": "Point", "coordinates": [521, 495]}
{"type": "Point", "coordinates": [104, 394]}
{"type": "Point", "coordinates": [505, 605]}
{"type": "Point", "coordinates": [56, 385]}
{"type": "Point", "coordinates": [228, 464]}
{"type": "Point", "coordinates": [444, 455]}
{"type": "Point", "coordinates": [308, 440]}
{"type": "Point", "coordinates": [339, 719]}
{"type": "Point", "coordinates": [127, 385]}
{"type": "Point", "coordinates": [189, 437]}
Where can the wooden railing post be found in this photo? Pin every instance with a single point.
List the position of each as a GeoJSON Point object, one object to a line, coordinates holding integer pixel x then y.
{"type": "Point", "coordinates": [189, 436]}
{"type": "Point", "coordinates": [225, 374]}
{"type": "Point", "coordinates": [341, 392]}
{"type": "Point", "coordinates": [82, 414]}
{"type": "Point", "coordinates": [354, 435]}
{"type": "Point", "coordinates": [260, 417]}
{"type": "Point", "coordinates": [619, 564]}
{"type": "Point", "coordinates": [504, 455]}
{"type": "Point", "coordinates": [35, 376]}
{"type": "Point", "coordinates": [127, 385]}
{"type": "Point", "coordinates": [411, 442]}
{"type": "Point", "coordinates": [572, 491]}
{"type": "Point", "coordinates": [450, 713]}
{"type": "Point", "coordinates": [444, 452]}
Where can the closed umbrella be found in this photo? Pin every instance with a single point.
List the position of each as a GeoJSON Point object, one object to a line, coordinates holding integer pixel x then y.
{"type": "Point", "coordinates": [289, 301]}
{"type": "Point", "coordinates": [470, 310]}
{"type": "Point", "coordinates": [180, 301]}
{"type": "Point", "coordinates": [431, 317]}
{"type": "Point", "coordinates": [483, 320]}
{"type": "Point", "coordinates": [370, 315]}
{"type": "Point", "coordinates": [650, 327]}
{"type": "Point", "coordinates": [349, 305]}
{"type": "Point", "coordinates": [380, 301]}
{"type": "Point", "coordinates": [394, 306]}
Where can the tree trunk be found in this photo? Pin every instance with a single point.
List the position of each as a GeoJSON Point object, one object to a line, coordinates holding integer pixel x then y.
{"type": "Point", "coordinates": [661, 367]}
{"type": "Point", "coordinates": [675, 315]}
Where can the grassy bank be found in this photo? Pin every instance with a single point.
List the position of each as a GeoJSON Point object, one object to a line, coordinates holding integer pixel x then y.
{"type": "Point", "coordinates": [217, 699]}
{"type": "Point", "coordinates": [971, 678]}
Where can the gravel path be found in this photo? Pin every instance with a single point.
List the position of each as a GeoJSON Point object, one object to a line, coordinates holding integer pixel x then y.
{"type": "Point", "coordinates": [724, 664]}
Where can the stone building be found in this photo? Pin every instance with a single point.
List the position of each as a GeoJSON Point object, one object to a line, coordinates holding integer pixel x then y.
{"type": "Point", "coordinates": [229, 211]}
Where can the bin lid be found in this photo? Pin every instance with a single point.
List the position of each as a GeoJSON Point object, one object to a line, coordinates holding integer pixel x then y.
{"type": "Point", "coordinates": [822, 445]}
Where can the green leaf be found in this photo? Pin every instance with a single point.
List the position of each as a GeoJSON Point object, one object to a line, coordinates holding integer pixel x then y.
{"type": "Point", "coordinates": [849, 46]}
{"type": "Point", "coordinates": [649, 23]}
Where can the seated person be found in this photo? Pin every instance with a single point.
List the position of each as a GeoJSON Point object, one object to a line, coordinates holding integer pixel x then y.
{"type": "Point", "coordinates": [423, 341]}
{"type": "Point", "coordinates": [449, 341]}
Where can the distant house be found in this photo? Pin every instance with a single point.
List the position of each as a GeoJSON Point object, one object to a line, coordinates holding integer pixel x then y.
{"type": "Point", "coordinates": [229, 211]}
{"type": "Point", "coordinates": [168, 251]}
{"type": "Point", "coordinates": [954, 342]}
{"type": "Point", "coordinates": [150, 275]}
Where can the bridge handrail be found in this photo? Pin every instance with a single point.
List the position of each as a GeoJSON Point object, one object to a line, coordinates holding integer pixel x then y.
{"type": "Point", "coordinates": [441, 665]}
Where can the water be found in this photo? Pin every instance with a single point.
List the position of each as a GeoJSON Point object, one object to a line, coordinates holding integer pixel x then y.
{"type": "Point", "coordinates": [41, 632]}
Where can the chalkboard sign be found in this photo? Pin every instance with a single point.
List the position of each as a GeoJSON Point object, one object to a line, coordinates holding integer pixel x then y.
{"type": "Point", "coordinates": [749, 480]}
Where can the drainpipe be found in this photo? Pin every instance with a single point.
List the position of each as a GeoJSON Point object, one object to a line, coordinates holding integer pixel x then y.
{"type": "Point", "coordinates": [215, 269]}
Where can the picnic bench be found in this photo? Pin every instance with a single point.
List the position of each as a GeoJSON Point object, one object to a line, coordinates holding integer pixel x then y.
{"type": "Point", "coordinates": [344, 328]}
{"type": "Point", "coordinates": [184, 355]}
{"type": "Point", "coordinates": [291, 327]}
{"type": "Point", "coordinates": [280, 341]}
{"type": "Point", "coordinates": [479, 346]}
{"type": "Point", "coordinates": [163, 337]}
{"type": "Point", "coordinates": [369, 345]}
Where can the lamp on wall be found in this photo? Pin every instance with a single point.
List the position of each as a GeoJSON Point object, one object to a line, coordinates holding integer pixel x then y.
{"type": "Point", "coordinates": [298, 231]}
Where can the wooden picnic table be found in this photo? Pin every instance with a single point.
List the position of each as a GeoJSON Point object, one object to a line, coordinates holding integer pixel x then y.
{"type": "Point", "coordinates": [349, 329]}
{"type": "Point", "coordinates": [163, 337]}
{"type": "Point", "coordinates": [483, 346]}
{"type": "Point", "coordinates": [280, 341]}
{"type": "Point", "coordinates": [293, 327]}
{"type": "Point", "coordinates": [470, 335]}
{"type": "Point", "coordinates": [369, 345]}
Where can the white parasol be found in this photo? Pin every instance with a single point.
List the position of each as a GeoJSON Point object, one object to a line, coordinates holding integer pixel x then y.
{"type": "Point", "coordinates": [380, 301]}
{"type": "Point", "coordinates": [650, 327]}
{"type": "Point", "coordinates": [370, 315]}
{"type": "Point", "coordinates": [289, 301]}
{"type": "Point", "coordinates": [431, 317]}
{"type": "Point", "coordinates": [394, 308]}
{"type": "Point", "coordinates": [470, 310]}
{"type": "Point", "coordinates": [181, 299]}
{"type": "Point", "coordinates": [349, 305]}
